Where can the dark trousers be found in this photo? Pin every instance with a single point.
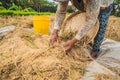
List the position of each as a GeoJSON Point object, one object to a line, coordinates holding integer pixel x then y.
{"type": "Point", "coordinates": [103, 19]}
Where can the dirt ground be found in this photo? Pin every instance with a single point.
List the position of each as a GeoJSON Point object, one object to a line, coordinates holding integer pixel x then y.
{"type": "Point", "coordinates": [25, 56]}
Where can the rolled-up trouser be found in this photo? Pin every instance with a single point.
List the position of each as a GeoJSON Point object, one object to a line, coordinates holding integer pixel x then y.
{"type": "Point", "coordinates": [103, 19]}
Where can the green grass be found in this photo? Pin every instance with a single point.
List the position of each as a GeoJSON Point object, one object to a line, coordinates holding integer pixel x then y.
{"type": "Point", "coordinates": [10, 12]}
{"type": "Point", "coordinates": [82, 70]}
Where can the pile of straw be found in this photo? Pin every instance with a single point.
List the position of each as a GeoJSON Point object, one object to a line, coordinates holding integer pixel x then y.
{"type": "Point", "coordinates": [25, 56]}
{"type": "Point", "coordinates": [113, 29]}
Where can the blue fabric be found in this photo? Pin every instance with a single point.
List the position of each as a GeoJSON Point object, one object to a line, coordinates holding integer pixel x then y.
{"type": "Point", "coordinates": [103, 19]}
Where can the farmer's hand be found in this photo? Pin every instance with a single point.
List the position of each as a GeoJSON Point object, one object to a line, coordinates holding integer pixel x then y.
{"type": "Point", "coordinates": [53, 37]}
{"type": "Point", "coordinates": [69, 44]}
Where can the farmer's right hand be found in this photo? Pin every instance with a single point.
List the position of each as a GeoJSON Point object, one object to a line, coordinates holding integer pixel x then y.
{"type": "Point", "coordinates": [53, 37]}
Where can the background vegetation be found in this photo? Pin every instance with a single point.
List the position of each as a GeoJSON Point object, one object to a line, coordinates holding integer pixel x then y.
{"type": "Point", "coordinates": [37, 7]}
{"type": "Point", "coordinates": [116, 8]}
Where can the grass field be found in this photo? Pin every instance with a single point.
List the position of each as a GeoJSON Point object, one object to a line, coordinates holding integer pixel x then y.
{"type": "Point", "coordinates": [10, 12]}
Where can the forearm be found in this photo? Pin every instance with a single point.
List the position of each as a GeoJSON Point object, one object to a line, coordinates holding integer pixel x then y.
{"type": "Point", "coordinates": [60, 14]}
{"type": "Point", "coordinates": [88, 25]}
{"type": "Point", "coordinates": [92, 13]}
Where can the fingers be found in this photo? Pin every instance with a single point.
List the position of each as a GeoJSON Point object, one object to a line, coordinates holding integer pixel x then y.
{"type": "Point", "coordinates": [67, 47]}
{"type": "Point", "coordinates": [50, 42]}
{"type": "Point", "coordinates": [53, 39]}
{"type": "Point", "coordinates": [66, 44]}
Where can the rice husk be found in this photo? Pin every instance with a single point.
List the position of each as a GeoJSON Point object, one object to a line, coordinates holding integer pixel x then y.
{"type": "Point", "coordinates": [24, 55]}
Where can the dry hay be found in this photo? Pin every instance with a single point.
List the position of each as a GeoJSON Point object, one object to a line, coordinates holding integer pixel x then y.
{"type": "Point", "coordinates": [18, 21]}
{"type": "Point", "coordinates": [24, 56]}
{"type": "Point", "coordinates": [113, 29]}
{"type": "Point", "coordinates": [27, 56]}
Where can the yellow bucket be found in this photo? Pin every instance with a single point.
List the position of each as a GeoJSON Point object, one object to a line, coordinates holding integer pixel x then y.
{"type": "Point", "coordinates": [41, 24]}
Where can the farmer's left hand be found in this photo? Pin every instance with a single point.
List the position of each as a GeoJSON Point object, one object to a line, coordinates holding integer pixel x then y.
{"type": "Point", "coordinates": [69, 44]}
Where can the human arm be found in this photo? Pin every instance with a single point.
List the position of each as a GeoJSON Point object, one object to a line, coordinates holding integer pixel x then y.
{"type": "Point", "coordinates": [59, 18]}
{"type": "Point", "coordinates": [92, 12]}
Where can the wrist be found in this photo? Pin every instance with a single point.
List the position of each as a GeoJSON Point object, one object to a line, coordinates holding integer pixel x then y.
{"type": "Point", "coordinates": [74, 40]}
{"type": "Point", "coordinates": [55, 31]}
{"type": "Point", "coordinates": [77, 37]}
